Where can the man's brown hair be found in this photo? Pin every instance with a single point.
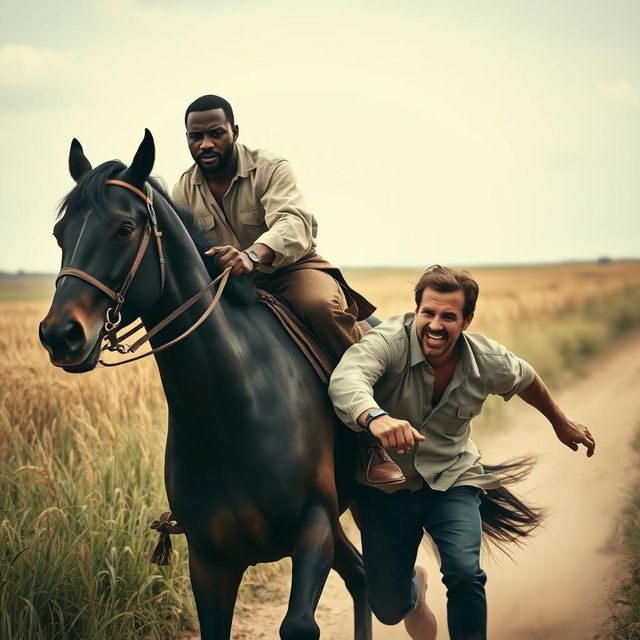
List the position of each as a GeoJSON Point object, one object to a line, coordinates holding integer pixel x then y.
{"type": "Point", "coordinates": [446, 280]}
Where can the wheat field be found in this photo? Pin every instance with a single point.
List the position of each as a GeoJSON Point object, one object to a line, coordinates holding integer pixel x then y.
{"type": "Point", "coordinates": [81, 455]}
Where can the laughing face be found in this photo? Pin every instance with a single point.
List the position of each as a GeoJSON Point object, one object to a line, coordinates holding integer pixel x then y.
{"type": "Point", "coordinates": [439, 323]}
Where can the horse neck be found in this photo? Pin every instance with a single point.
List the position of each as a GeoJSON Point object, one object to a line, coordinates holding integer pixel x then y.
{"type": "Point", "coordinates": [210, 365]}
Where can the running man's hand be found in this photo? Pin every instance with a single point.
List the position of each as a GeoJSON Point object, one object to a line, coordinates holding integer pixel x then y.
{"type": "Point", "coordinates": [572, 434]}
{"type": "Point", "coordinates": [395, 434]}
{"type": "Point", "coordinates": [569, 432]}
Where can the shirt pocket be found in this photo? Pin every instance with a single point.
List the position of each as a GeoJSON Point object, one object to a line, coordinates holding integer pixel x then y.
{"type": "Point", "coordinates": [463, 416]}
{"type": "Point", "coordinates": [251, 216]}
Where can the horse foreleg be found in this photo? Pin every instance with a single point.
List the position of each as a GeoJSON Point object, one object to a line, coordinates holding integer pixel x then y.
{"type": "Point", "coordinates": [348, 563]}
{"type": "Point", "coordinates": [311, 562]}
{"type": "Point", "coordinates": [215, 587]}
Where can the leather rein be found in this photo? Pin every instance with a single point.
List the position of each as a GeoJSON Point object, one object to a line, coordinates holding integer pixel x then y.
{"type": "Point", "coordinates": [113, 318]}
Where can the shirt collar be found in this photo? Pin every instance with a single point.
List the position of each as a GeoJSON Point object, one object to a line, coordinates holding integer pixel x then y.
{"type": "Point", "coordinates": [415, 350]}
{"type": "Point", "coordinates": [245, 162]}
{"type": "Point", "coordinates": [195, 174]}
{"type": "Point", "coordinates": [467, 358]}
{"type": "Point", "coordinates": [245, 166]}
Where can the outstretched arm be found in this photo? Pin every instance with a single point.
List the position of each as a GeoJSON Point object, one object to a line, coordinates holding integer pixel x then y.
{"type": "Point", "coordinates": [569, 432]}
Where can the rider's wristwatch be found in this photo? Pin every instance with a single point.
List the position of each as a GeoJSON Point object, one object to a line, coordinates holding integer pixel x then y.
{"type": "Point", "coordinates": [372, 415]}
{"type": "Point", "coordinates": [253, 256]}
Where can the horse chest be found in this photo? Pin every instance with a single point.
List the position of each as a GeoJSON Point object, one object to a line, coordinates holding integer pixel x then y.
{"type": "Point", "coordinates": [227, 506]}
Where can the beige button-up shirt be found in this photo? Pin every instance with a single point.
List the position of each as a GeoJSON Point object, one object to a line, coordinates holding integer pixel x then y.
{"type": "Point", "coordinates": [263, 204]}
{"type": "Point", "coordinates": [387, 369]}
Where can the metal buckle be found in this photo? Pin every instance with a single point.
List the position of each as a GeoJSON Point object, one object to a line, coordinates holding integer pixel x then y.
{"type": "Point", "coordinates": [111, 324]}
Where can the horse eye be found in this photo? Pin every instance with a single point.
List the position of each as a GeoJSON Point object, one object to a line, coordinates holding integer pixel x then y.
{"type": "Point", "coordinates": [125, 230]}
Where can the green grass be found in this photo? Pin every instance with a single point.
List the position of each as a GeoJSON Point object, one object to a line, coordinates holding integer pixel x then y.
{"type": "Point", "coordinates": [561, 346]}
{"type": "Point", "coordinates": [624, 622]}
{"type": "Point", "coordinates": [76, 501]}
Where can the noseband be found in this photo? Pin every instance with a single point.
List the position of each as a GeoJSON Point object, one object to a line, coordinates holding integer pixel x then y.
{"type": "Point", "coordinates": [113, 316]}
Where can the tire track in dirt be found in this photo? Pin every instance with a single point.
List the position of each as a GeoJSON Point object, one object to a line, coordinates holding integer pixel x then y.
{"type": "Point", "coordinates": [555, 587]}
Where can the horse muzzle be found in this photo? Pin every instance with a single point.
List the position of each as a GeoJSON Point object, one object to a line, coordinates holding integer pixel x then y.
{"type": "Point", "coordinates": [69, 343]}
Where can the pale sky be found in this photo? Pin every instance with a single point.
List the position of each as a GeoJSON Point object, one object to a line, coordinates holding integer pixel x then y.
{"type": "Point", "coordinates": [458, 132]}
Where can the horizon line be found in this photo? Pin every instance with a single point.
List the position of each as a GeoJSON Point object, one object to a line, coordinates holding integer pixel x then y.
{"type": "Point", "coordinates": [603, 260]}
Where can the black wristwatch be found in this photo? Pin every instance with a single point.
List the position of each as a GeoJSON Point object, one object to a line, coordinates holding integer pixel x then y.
{"type": "Point", "coordinates": [372, 415]}
{"type": "Point", "coordinates": [253, 256]}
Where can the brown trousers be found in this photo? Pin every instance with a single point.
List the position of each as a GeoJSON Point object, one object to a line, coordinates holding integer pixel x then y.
{"type": "Point", "coordinates": [319, 301]}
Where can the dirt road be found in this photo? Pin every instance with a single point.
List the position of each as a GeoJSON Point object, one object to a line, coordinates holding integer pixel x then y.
{"type": "Point", "coordinates": [555, 587]}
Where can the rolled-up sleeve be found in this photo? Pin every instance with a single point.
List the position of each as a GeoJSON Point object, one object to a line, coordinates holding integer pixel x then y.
{"type": "Point", "coordinates": [351, 385]}
{"type": "Point", "coordinates": [516, 375]}
{"type": "Point", "coordinates": [290, 227]}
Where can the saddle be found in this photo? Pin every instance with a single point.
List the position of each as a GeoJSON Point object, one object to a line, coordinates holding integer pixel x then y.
{"type": "Point", "coordinates": [302, 337]}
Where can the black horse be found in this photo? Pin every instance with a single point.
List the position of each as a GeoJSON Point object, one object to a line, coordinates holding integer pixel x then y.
{"type": "Point", "coordinates": [250, 469]}
{"type": "Point", "coordinates": [249, 466]}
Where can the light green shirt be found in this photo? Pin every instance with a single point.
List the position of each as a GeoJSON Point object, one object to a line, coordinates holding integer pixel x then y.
{"type": "Point", "coordinates": [387, 369]}
{"type": "Point", "coordinates": [263, 204]}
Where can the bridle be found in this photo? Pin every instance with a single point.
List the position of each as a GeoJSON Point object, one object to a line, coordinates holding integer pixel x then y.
{"type": "Point", "coordinates": [113, 318]}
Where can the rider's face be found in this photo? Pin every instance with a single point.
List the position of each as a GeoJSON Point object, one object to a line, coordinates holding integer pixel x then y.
{"type": "Point", "coordinates": [211, 139]}
{"type": "Point", "coordinates": [439, 323]}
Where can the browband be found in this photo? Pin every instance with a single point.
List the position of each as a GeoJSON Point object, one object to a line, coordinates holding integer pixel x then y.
{"type": "Point", "coordinates": [126, 185]}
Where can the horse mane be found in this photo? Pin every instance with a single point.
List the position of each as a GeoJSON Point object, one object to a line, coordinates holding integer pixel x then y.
{"type": "Point", "coordinates": [89, 192]}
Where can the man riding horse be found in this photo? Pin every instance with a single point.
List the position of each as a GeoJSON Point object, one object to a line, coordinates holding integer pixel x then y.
{"type": "Point", "coordinates": [248, 203]}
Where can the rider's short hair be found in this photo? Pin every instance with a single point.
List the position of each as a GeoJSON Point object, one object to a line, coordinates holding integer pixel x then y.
{"type": "Point", "coordinates": [446, 280]}
{"type": "Point", "coordinates": [208, 102]}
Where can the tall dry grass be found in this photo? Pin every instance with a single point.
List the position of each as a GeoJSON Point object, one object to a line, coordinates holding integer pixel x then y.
{"type": "Point", "coordinates": [80, 481]}
{"type": "Point", "coordinates": [81, 456]}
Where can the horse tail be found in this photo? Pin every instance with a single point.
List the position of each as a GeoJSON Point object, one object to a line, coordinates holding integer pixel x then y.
{"type": "Point", "coordinates": [505, 517]}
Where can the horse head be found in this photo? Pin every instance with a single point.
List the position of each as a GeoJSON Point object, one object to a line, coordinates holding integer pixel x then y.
{"type": "Point", "coordinates": [104, 227]}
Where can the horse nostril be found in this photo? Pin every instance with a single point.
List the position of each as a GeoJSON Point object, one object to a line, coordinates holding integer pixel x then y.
{"type": "Point", "coordinates": [62, 338]}
{"type": "Point", "coordinates": [74, 335]}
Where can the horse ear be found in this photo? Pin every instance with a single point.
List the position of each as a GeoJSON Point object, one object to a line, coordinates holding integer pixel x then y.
{"type": "Point", "coordinates": [143, 161]}
{"type": "Point", "coordinates": [78, 163]}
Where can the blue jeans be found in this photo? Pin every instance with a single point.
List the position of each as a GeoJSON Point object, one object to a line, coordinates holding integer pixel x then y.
{"type": "Point", "coordinates": [392, 528]}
